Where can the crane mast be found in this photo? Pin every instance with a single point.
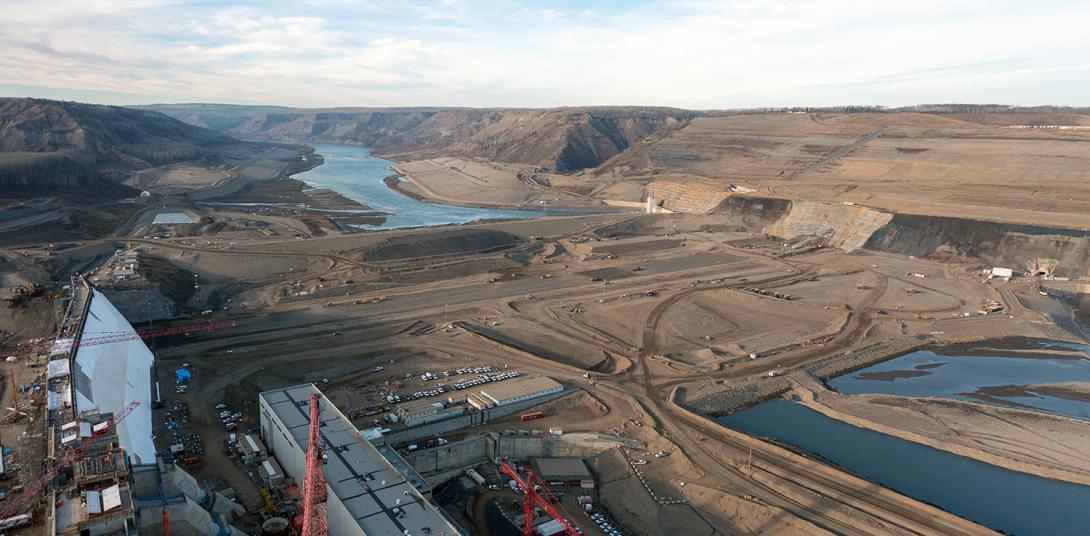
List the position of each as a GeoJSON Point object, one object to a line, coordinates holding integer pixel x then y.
{"type": "Point", "coordinates": [530, 485]}
{"type": "Point", "coordinates": [314, 493]}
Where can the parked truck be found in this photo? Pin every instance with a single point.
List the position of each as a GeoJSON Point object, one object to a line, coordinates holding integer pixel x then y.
{"type": "Point", "coordinates": [475, 476]}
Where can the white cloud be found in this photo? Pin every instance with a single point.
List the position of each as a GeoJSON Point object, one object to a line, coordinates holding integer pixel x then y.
{"type": "Point", "coordinates": [693, 53]}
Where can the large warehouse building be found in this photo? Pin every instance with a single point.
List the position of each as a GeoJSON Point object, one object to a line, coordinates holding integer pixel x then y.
{"type": "Point", "coordinates": [367, 495]}
{"type": "Point", "coordinates": [512, 391]}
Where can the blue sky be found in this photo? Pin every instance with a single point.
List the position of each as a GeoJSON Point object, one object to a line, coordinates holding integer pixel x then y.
{"type": "Point", "coordinates": [688, 53]}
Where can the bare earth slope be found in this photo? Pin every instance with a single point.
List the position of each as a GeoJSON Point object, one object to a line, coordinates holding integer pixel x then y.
{"type": "Point", "coordinates": [50, 145]}
{"type": "Point", "coordinates": [996, 163]}
{"type": "Point", "coordinates": [560, 139]}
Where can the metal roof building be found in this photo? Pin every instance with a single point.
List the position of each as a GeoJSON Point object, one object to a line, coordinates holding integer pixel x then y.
{"type": "Point", "coordinates": [519, 389]}
{"type": "Point", "coordinates": [109, 375]}
{"type": "Point", "coordinates": [367, 495]}
{"type": "Point", "coordinates": [568, 471]}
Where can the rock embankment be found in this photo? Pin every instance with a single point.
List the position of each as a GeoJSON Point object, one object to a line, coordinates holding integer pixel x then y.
{"type": "Point", "coordinates": [739, 398]}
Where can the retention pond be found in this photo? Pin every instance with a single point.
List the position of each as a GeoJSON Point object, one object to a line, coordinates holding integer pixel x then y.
{"type": "Point", "coordinates": [1043, 376]}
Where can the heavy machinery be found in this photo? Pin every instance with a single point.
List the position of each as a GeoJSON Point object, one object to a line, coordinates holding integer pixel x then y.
{"type": "Point", "coordinates": [535, 492]}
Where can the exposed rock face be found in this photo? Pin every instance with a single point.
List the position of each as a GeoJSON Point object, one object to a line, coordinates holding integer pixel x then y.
{"type": "Point", "coordinates": [51, 145]}
{"type": "Point", "coordinates": [558, 139]}
{"type": "Point", "coordinates": [1025, 248]}
{"type": "Point", "coordinates": [691, 197]}
{"type": "Point", "coordinates": [846, 227]}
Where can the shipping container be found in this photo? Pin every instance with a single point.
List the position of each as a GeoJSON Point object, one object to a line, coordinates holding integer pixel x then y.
{"type": "Point", "coordinates": [531, 416]}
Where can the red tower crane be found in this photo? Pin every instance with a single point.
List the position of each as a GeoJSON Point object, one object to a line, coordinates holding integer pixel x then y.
{"type": "Point", "coordinates": [67, 344]}
{"type": "Point", "coordinates": [69, 457]}
{"type": "Point", "coordinates": [532, 485]}
{"type": "Point", "coordinates": [314, 489]}
{"type": "Point", "coordinates": [199, 327]}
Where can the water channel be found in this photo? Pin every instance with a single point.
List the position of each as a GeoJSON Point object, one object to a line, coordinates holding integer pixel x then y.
{"type": "Point", "coordinates": [1004, 500]}
{"type": "Point", "coordinates": [355, 174]}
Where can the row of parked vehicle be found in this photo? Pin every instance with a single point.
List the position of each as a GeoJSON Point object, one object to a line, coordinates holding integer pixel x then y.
{"type": "Point", "coordinates": [228, 418]}
{"type": "Point", "coordinates": [468, 370]}
{"type": "Point", "coordinates": [604, 524]}
{"type": "Point", "coordinates": [486, 378]}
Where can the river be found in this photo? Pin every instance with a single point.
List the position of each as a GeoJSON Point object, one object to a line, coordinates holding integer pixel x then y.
{"type": "Point", "coordinates": [355, 174]}
{"type": "Point", "coordinates": [1012, 502]}
{"type": "Point", "coordinates": [992, 375]}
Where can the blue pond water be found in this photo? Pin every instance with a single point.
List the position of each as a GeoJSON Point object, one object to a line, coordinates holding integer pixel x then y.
{"type": "Point", "coordinates": [957, 376]}
{"type": "Point", "coordinates": [172, 217]}
{"type": "Point", "coordinates": [1008, 501]}
{"type": "Point", "coordinates": [353, 173]}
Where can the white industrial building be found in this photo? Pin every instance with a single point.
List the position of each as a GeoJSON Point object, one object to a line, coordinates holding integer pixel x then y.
{"type": "Point", "coordinates": [519, 389]}
{"type": "Point", "coordinates": [413, 412]}
{"type": "Point", "coordinates": [367, 494]}
{"type": "Point", "coordinates": [110, 375]}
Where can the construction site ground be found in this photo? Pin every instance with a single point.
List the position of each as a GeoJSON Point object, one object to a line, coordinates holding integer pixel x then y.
{"type": "Point", "coordinates": [642, 329]}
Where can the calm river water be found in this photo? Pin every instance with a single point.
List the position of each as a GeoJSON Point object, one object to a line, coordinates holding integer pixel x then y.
{"type": "Point", "coordinates": [1012, 502]}
{"type": "Point", "coordinates": [357, 175]}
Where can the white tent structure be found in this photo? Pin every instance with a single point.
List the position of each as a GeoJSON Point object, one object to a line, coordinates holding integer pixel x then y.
{"type": "Point", "coordinates": [110, 375]}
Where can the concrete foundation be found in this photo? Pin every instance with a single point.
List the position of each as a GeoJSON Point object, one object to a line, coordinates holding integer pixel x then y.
{"type": "Point", "coordinates": [463, 454]}
{"type": "Point", "coordinates": [474, 418]}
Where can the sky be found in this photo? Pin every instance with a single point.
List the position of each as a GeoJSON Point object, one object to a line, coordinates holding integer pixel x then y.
{"type": "Point", "coordinates": [696, 54]}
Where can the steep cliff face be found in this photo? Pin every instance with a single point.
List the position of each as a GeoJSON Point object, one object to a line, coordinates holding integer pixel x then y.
{"type": "Point", "coordinates": [1025, 248]}
{"type": "Point", "coordinates": [365, 128]}
{"type": "Point", "coordinates": [1028, 248]}
{"type": "Point", "coordinates": [561, 139]}
{"type": "Point", "coordinates": [846, 227]}
{"type": "Point", "coordinates": [51, 145]}
{"type": "Point", "coordinates": [689, 197]}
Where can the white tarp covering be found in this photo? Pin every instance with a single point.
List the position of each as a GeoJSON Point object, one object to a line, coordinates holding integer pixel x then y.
{"type": "Point", "coordinates": [110, 375]}
{"type": "Point", "coordinates": [111, 498]}
{"type": "Point", "coordinates": [60, 346]}
{"type": "Point", "coordinates": [100, 426]}
{"type": "Point", "coordinates": [69, 437]}
{"type": "Point", "coordinates": [57, 368]}
{"type": "Point", "coordinates": [94, 502]}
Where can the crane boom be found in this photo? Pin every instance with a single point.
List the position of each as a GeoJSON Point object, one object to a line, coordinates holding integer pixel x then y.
{"type": "Point", "coordinates": [200, 327]}
{"type": "Point", "coordinates": [534, 498]}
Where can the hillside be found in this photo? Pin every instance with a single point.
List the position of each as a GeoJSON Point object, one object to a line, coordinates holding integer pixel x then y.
{"type": "Point", "coordinates": [559, 139]}
{"type": "Point", "coordinates": [55, 146]}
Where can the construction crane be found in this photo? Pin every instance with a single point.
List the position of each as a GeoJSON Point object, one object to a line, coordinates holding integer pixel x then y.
{"type": "Point", "coordinates": [314, 488]}
{"type": "Point", "coordinates": [532, 485]}
{"type": "Point", "coordinates": [63, 463]}
{"type": "Point", "coordinates": [200, 327]}
{"type": "Point", "coordinates": [166, 514]}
